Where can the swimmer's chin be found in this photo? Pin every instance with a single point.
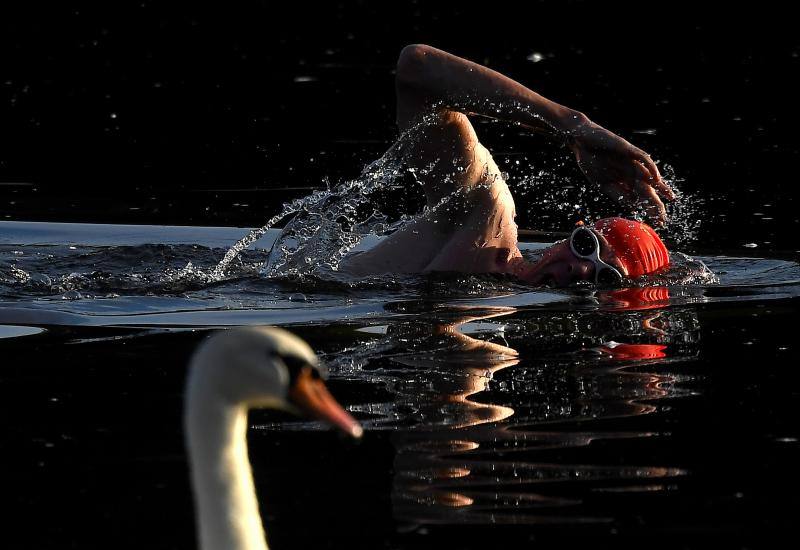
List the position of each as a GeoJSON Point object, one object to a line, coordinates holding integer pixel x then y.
{"type": "Point", "coordinates": [545, 280]}
{"type": "Point", "coordinates": [533, 274]}
{"type": "Point", "coordinates": [538, 274]}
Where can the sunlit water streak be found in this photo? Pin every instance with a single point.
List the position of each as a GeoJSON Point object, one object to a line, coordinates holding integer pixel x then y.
{"type": "Point", "coordinates": [83, 278]}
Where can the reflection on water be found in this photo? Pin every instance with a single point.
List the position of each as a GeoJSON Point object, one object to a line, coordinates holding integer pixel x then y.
{"type": "Point", "coordinates": [480, 401]}
{"type": "Point", "coordinates": [502, 404]}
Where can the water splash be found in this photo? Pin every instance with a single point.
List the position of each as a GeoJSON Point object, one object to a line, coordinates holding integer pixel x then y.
{"type": "Point", "coordinates": [329, 223]}
{"type": "Point", "coordinates": [685, 213]}
{"type": "Point", "coordinates": [325, 225]}
{"type": "Point", "coordinates": [91, 272]}
{"type": "Point", "coordinates": [686, 270]}
{"type": "Point", "coordinates": [558, 195]}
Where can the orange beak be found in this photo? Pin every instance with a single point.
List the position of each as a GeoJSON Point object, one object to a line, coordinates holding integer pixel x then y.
{"type": "Point", "coordinates": [311, 396]}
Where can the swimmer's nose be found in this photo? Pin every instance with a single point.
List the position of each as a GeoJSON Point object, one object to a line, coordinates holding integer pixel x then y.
{"type": "Point", "coordinates": [565, 273]}
{"type": "Point", "coordinates": [573, 270]}
{"type": "Point", "coordinates": [582, 270]}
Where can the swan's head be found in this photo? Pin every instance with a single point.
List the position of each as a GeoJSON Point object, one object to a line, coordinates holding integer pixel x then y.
{"type": "Point", "coordinates": [266, 367]}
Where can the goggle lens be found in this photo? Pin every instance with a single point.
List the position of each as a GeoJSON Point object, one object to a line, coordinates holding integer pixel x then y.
{"type": "Point", "coordinates": [608, 277]}
{"type": "Point", "coordinates": [584, 242]}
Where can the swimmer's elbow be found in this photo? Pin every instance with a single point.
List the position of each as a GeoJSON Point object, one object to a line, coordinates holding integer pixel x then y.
{"type": "Point", "coordinates": [412, 63]}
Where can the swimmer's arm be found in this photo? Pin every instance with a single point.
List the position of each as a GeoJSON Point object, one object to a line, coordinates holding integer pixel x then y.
{"type": "Point", "coordinates": [427, 76]}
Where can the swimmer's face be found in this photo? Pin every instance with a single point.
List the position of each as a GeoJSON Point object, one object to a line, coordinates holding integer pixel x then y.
{"type": "Point", "coordinates": [559, 267]}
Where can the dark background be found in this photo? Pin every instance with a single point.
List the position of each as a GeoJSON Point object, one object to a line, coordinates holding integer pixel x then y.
{"type": "Point", "coordinates": [147, 112]}
{"type": "Point", "coordinates": [151, 112]}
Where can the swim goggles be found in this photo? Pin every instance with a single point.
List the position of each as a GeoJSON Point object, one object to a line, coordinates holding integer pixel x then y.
{"type": "Point", "coordinates": [585, 245]}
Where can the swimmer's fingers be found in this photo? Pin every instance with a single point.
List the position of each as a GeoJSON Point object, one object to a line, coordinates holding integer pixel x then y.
{"type": "Point", "coordinates": [650, 170]}
{"type": "Point", "coordinates": [648, 198]}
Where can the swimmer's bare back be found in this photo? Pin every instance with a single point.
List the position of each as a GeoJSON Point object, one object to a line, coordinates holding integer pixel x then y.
{"type": "Point", "coordinates": [469, 223]}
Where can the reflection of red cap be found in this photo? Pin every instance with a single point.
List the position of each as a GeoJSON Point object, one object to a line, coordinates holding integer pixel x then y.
{"type": "Point", "coordinates": [645, 297]}
{"type": "Point", "coordinates": [636, 244]}
{"type": "Point", "coordinates": [623, 352]}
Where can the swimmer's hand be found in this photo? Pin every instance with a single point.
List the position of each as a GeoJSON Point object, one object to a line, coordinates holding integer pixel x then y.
{"type": "Point", "coordinates": [621, 170]}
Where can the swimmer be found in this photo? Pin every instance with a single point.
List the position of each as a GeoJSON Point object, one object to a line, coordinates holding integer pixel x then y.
{"type": "Point", "coordinates": [473, 229]}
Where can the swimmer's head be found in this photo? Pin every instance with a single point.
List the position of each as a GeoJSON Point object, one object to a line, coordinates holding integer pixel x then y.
{"type": "Point", "coordinates": [631, 247]}
{"type": "Point", "coordinates": [636, 245]}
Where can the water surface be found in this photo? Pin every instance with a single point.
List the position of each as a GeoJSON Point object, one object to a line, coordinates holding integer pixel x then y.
{"type": "Point", "coordinates": [492, 410]}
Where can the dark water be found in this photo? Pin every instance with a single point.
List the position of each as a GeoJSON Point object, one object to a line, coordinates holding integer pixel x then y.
{"type": "Point", "coordinates": [493, 412]}
{"type": "Point", "coordinates": [496, 414]}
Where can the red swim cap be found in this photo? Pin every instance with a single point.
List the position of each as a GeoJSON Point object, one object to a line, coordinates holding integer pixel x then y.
{"type": "Point", "coordinates": [636, 244]}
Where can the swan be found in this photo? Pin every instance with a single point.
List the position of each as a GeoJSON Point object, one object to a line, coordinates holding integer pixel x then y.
{"type": "Point", "coordinates": [229, 373]}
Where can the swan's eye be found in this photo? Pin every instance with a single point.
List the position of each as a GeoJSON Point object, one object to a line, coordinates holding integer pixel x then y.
{"type": "Point", "coordinates": [295, 365]}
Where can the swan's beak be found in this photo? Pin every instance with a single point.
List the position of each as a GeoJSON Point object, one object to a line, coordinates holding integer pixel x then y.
{"type": "Point", "coordinates": [310, 395]}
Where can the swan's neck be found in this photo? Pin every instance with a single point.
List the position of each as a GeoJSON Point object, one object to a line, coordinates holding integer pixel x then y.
{"type": "Point", "coordinates": [227, 509]}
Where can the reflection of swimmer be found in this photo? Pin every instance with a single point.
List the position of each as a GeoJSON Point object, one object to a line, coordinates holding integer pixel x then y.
{"type": "Point", "coordinates": [474, 229]}
{"type": "Point", "coordinates": [477, 361]}
{"type": "Point", "coordinates": [418, 465]}
{"type": "Point", "coordinates": [631, 352]}
{"type": "Point", "coordinates": [483, 465]}
{"type": "Point", "coordinates": [638, 298]}
{"type": "Point", "coordinates": [449, 368]}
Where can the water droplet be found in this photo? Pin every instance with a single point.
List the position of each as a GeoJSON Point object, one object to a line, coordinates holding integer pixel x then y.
{"type": "Point", "coordinates": [40, 280]}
